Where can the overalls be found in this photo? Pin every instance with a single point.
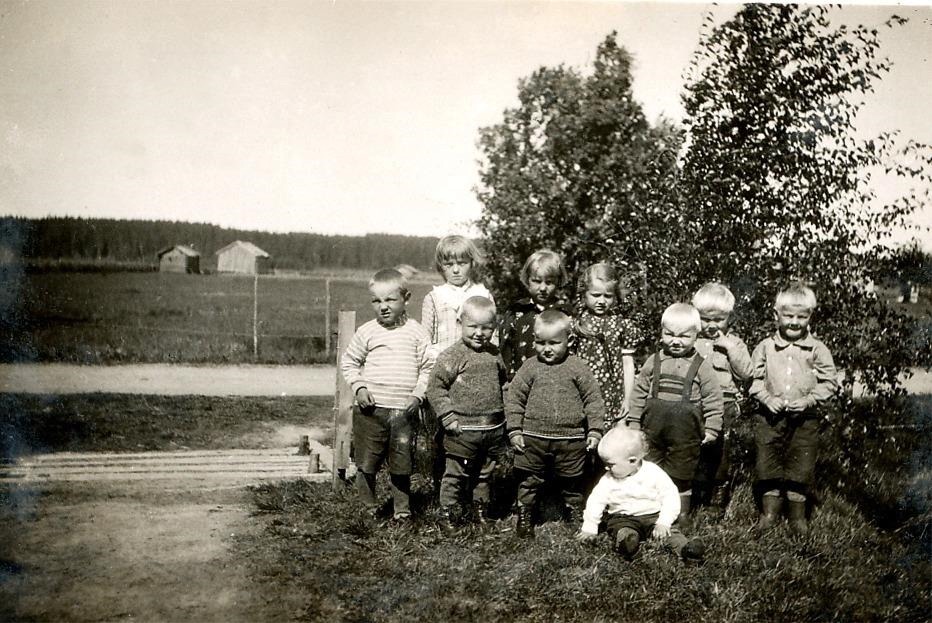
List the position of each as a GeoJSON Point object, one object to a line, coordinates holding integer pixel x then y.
{"type": "Point", "coordinates": [674, 428]}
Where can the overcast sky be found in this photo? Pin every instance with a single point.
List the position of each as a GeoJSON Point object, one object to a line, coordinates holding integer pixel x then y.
{"type": "Point", "coordinates": [331, 117]}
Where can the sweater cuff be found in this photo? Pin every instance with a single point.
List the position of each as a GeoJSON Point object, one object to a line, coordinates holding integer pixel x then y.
{"type": "Point", "coordinates": [448, 419]}
{"type": "Point", "coordinates": [357, 386]}
{"type": "Point", "coordinates": [514, 433]}
{"type": "Point", "coordinates": [595, 434]}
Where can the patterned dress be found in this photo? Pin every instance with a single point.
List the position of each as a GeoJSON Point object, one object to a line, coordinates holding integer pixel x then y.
{"type": "Point", "coordinates": [602, 342]}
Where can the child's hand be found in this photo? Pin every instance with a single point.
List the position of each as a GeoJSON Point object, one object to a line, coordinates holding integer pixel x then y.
{"type": "Point", "coordinates": [586, 537]}
{"type": "Point", "coordinates": [660, 531]}
{"type": "Point", "coordinates": [773, 404]}
{"type": "Point", "coordinates": [517, 442]}
{"type": "Point", "coordinates": [709, 438]}
{"type": "Point", "coordinates": [796, 406]}
{"type": "Point", "coordinates": [453, 428]}
{"type": "Point", "coordinates": [363, 398]}
{"type": "Point", "coordinates": [413, 405]}
{"type": "Point", "coordinates": [725, 341]}
{"type": "Point", "coordinates": [592, 443]}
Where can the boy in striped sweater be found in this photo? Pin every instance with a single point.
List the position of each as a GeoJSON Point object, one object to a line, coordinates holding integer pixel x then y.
{"type": "Point", "coordinates": [387, 363]}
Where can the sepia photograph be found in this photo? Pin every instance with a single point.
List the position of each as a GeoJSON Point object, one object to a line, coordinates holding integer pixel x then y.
{"type": "Point", "coordinates": [474, 310]}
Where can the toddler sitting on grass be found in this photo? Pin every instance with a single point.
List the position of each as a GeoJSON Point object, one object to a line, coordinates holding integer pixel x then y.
{"type": "Point", "coordinates": [641, 499]}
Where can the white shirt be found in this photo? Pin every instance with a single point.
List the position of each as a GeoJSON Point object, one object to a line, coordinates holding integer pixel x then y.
{"type": "Point", "coordinates": [645, 492]}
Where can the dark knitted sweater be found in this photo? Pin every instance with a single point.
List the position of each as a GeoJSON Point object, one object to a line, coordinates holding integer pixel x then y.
{"type": "Point", "coordinates": [559, 401]}
{"type": "Point", "coordinates": [466, 385]}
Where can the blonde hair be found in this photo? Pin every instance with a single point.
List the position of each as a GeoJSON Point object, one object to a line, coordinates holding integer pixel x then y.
{"type": "Point", "coordinates": [390, 276]}
{"type": "Point", "coordinates": [456, 247]}
{"type": "Point", "coordinates": [681, 315]}
{"type": "Point", "coordinates": [552, 318]}
{"type": "Point", "coordinates": [602, 272]}
{"type": "Point", "coordinates": [796, 294]}
{"type": "Point", "coordinates": [476, 304]}
{"type": "Point", "coordinates": [714, 296]}
{"type": "Point", "coordinates": [620, 443]}
{"type": "Point", "coordinates": [545, 263]}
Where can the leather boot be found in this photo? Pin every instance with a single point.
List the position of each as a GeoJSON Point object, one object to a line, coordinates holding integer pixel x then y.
{"type": "Point", "coordinates": [524, 528]}
{"type": "Point", "coordinates": [770, 512]}
{"type": "Point", "coordinates": [480, 512]}
{"type": "Point", "coordinates": [797, 515]}
{"type": "Point", "coordinates": [683, 521]}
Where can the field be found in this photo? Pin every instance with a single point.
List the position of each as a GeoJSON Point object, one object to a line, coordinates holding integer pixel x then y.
{"type": "Point", "coordinates": [307, 553]}
{"type": "Point", "coordinates": [121, 317]}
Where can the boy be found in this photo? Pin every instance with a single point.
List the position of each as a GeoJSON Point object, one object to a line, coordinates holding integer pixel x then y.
{"type": "Point", "coordinates": [554, 413]}
{"type": "Point", "coordinates": [640, 498]}
{"type": "Point", "coordinates": [731, 361]}
{"type": "Point", "coordinates": [793, 375]}
{"type": "Point", "coordinates": [677, 401]}
{"type": "Point", "coordinates": [465, 391]}
{"type": "Point", "coordinates": [387, 363]}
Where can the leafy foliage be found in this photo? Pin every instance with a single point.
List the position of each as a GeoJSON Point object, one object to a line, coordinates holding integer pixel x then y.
{"type": "Point", "coordinates": [772, 184]}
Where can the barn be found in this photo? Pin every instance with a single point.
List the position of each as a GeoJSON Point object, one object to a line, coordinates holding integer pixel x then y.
{"type": "Point", "coordinates": [244, 258]}
{"type": "Point", "coordinates": [179, 259]}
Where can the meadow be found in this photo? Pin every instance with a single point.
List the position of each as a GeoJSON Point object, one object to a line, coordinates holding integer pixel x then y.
{"type": "Point", "coordinates": [150, 317]}
{"type": "Point", "coordinates": [317, 558]}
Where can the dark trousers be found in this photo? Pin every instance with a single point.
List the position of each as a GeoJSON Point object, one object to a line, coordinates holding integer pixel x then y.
{"type": "Point", "coordinates": [471, 458]}
{"type": "Point", "coordinates": [379, 435]}
{"type": "Point", "coordinates": [565, 459]}
{"type": "Point", "coordinates": [674, 435]}
{"type": "Point", "coordinates": [715, 458]}
{"type": "Point", "coordinates": [787, 448]}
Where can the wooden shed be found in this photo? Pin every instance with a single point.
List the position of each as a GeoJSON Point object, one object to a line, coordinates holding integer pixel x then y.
{"type": "Point", "coordinates": [244, 258]}
{"type": "Point", "coordinates": [179, 259]}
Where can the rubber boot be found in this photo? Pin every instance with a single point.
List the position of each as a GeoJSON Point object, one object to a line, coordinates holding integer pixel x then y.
{"type": "Point", "coordinates": [524, 528]}
{"type": "Point", "coordinates": [797, 515]}
{"type": "Point", "coordinates": [684, 521]}
{"type": "Point", "coordinates": [770, 512]}
{"type": "Point", "coordinates": [627, 542]}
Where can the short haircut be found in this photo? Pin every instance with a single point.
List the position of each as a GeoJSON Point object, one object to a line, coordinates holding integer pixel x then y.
{"type": "Point", "coordinates": [390, 276]}
{"type": "Point", "coordinates": [476, 305]}
{"type": "Point", "coordinates": [681, 315]}
{"type": "Point", "coordinates": [796, 294]}
{"type": "Point", "coordinates": [621, 443]}
{"type": "Point", "coordinates": [714, 296]}
{"type": "Point", "coordinates": [545, 263]}
{"type": "Point", "coordinates": [456, 248]}
{"type": "Point", "coordinates": [602, 272]}
{"type": "Point", "coordinates": [552, 318]}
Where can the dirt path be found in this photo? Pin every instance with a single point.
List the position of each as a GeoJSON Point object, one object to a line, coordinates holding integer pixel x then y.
{"type": "Point", "coordinates": [107, 552]}
{"type": "Point", "coordinates": [208, 380]}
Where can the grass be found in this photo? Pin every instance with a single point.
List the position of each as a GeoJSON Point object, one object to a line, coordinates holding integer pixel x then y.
{"type": "Point", "coordinates": [32, 424]}
{"type": "Point", "coordinates": [126, 317]}
{"type": "Point", "coordinates": [868, 557]}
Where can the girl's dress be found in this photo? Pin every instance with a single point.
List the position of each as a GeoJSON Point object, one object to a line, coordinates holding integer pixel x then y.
{"type": "Point", "coordinates": [441, 309]}
{"type": "Point", "coordinates": [601, 341]}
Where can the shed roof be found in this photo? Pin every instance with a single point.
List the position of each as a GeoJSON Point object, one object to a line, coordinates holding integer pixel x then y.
{"type": "Point", "coordinates": [246, 246]}
{"type": "Point", "coordinates": [184, 249]}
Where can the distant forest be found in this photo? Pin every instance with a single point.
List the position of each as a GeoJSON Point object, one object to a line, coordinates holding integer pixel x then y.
{"type": "Point", "coordinates": [70, 238]}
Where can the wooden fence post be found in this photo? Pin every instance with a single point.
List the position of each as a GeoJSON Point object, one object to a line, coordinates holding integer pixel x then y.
{"type": "Point", "coordinates": [255, 317]}
{"type": "Point", "coordinates": [342, 403]}
{"type": "Point", "coordinates": [327, 337]}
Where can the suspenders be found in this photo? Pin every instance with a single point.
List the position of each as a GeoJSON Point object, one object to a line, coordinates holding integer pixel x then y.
{"type": "Point", "coordinates": [687, 382]}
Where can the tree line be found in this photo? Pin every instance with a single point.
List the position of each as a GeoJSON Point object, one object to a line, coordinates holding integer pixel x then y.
{"type": "Point", "coordinates": [139, 241]}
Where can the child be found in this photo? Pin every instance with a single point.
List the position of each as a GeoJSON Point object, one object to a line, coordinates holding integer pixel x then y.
{"type": "Point", "coordinates": [456, 259]}
{"type": "Point", "coordinates": [554, 414]}
{"type": "Point", "coordinates": [465, 391]}
{"type": "Point", "coordinates": [640, 498]}
{"type": "Point", "coordinates": [543, 275]}
{"type": "Point", "coordinates": [605, 340]}
{"type": "Point", "coordinates": [677, 401]}
{"type": "Point", "coordinates": [793, 375]}
{"type": "Point", "coordinates": [731, 361]}
{"type": "Point", "coordinates": [387, 363]}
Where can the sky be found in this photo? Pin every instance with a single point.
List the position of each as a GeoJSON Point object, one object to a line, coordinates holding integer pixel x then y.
{"type": "Point", "coordinates": [328, 117]}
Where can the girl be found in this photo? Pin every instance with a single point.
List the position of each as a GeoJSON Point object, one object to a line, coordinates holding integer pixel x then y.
{"type": "Point", "coordinates": [605, 340]}
{"type": "Point", "coordinates": [457, 259]}
{"type": "Point", "coordinates": [544, 276]}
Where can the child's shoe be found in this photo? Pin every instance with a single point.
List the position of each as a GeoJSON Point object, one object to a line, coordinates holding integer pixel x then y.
{"type": "Point", "coordinates": [627, 542]}
{"type": "Point", "coordinates": [524, 528]}
{"type": "Point", "coordinates": [480, 512]}
{"type": "Point", "coordinates": [693, 552]}
{"type": "Point", "coordinates": [797, 516]}
{"type": "Point", "coordinates": [573, 515]}
{"type": "Point", "coordinates": [770, 512]}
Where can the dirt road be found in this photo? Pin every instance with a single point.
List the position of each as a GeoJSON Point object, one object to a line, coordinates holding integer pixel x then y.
{"type": "Point", "coordinates": [208, 380]}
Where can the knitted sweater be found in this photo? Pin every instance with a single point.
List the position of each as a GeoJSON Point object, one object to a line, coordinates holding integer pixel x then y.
{"type": "Point", "coordinates": [705, 389]}
{"type": "Point", "coordinates": [466, 386]}
{"type": "Point", "coordinates": [393, 363]}
{"type": "Point", "coordinates": [645, 492]}
{"type": "Point", "coordinates": [556, 401]}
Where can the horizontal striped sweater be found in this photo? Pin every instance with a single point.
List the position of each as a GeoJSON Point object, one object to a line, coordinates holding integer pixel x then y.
{"type": "Point", "coordinates": [392, 363]}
